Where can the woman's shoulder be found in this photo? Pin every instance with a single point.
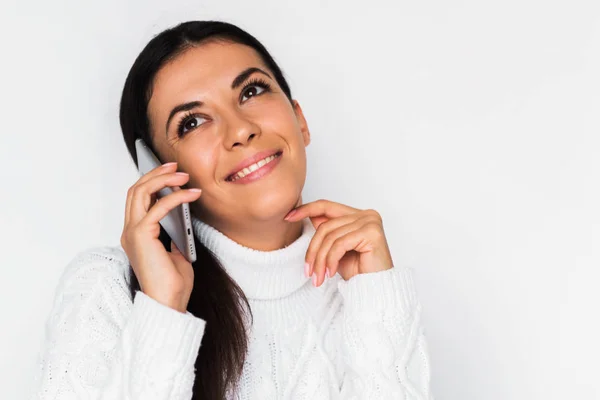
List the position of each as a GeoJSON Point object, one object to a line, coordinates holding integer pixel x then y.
{"type": "Point", "coordinates": [92, 296]}
{"type": "Point", "coordinates": [113, 255]}
{"type": "Point", "coordinates": [94, 268]}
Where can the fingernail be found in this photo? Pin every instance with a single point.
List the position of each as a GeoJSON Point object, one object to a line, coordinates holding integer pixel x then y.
{"type": "Point", "coordinates": [315, 280]}
{"type": "Point", "coordinates": [306, 269]}
{"type": "Point", "coordinates": [290, 214]}
{"type": "Point", "coordinates": [328, 274]}
{"type": "Point", "coordinates": [169, 164]}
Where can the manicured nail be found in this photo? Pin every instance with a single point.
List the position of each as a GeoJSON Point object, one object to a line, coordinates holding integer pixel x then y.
{"type": "Point", "coordinates": [290, 214]}
{"type": "Point", "coordinates": [315, 280]}
{"type": "Point", "coordinates": [169, 164]}
{"type": "Point", "coordinates": [306, 269]}
{"type": "Point", "coordinates": [328, 274]}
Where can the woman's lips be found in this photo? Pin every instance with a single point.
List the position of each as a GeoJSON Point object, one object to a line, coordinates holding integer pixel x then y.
{"type": "Point", "coordinates": [260, 172]}
{"type": "Point", "coordinates": [256, 157]}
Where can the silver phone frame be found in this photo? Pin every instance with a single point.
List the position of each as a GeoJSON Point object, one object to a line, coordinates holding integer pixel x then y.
{"type": "Point", "coordinates": [178, 222]}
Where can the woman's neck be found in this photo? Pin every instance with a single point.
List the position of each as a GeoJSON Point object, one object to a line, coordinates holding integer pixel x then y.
{"type": "Point", "coordinates": [261, 235]}
{"type": "Point", "coordinates": [262, 274]}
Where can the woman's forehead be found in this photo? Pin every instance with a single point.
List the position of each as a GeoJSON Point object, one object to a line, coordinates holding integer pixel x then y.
{"type": "Point", "coordinates": [215, 61]}
{"type": "Point", "coordinates": [201, 69]}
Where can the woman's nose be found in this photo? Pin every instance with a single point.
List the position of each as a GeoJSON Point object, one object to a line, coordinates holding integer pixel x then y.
{"type": "Point", "coordinates": [239, 129]}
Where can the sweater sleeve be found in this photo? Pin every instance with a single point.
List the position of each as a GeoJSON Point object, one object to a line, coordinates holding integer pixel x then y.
{"type": "Point", "coordinates": [384, 349]}
{"type": "Point", "coordinates": [100, 345]}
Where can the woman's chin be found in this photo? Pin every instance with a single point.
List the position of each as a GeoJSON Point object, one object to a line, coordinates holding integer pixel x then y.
{"type": "Point", "coordinates": [274, 203]}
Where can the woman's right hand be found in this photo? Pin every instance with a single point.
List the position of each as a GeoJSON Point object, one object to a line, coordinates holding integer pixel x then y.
{"type": "Point", "coordinates": [166, 277]}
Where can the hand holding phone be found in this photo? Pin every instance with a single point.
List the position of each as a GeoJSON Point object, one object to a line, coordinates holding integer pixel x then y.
{"type": "Point", "coordinates": [168, 277]}
{"type": "Point", "coordinates": [177, 222]}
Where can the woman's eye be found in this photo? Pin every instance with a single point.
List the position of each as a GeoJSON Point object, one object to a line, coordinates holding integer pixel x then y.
{"type": "Point", "coordinates": [253, 90]}
{"type": "Point", "coordinates": [188, 124]}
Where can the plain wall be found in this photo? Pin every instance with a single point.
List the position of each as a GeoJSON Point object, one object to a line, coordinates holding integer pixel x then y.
{"type": "Point", "coordinates": [472, 127]}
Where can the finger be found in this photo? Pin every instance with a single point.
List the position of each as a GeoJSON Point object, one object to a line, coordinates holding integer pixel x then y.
{"type": "Point", "coordinates": [322, 231]}
{"type": "Point", "coordinates": [322, 259]}
{"type": "Point", "coordinates": [341, 247]}
{"type": "Point", "coordinates": [141, 199]}
{"type": "Point", "coordinates": [127, 205]}
{"type": "Point", "coordinates": [160, 170]}
{"type": "Point", "coordinates": [130, 195]}
{"type": "Point", "coordinates": [163, 206]}
{"type": "Point", "coordinates": [176, 254]}
{"type": "Point", "coordinates": [163, 169]}
{"type": "Point", "coordinates": [317, 221]}
{"type": "Point", "coordinates": [181, 263]}
{"type": "Point", "coordinates": [321, 207]}
{"type": "Point", "coordinates": [366, 240]}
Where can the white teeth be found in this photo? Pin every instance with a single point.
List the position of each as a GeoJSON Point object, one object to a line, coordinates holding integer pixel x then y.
{"type": "Point", "coordinates": [253, 167]}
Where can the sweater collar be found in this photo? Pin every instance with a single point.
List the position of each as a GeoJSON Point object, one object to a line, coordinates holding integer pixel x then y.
{"type": "Point", "coordinates": [262, 275]}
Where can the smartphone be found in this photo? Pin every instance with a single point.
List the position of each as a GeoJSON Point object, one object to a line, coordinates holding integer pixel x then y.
{"type": "Point", "coordinates": [178, 222]}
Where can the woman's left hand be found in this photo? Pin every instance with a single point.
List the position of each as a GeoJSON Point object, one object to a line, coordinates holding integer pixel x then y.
{"type": "Point", "coordinates": [347, 240]}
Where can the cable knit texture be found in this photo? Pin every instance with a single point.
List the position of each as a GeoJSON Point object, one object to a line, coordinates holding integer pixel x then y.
{"type": "Point", "coordinates": [356, 339]}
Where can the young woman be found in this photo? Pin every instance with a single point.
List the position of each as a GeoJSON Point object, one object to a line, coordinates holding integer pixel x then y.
{"type": "Point", "coordinates": [285, 301]}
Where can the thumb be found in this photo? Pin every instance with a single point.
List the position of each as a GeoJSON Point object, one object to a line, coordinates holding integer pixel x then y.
{"type": "Point", "coordinates": [174, 248]}
{"type": "Point", "coordinates": [176, 255]}
{"type": "Point", "coordinates": [184, 267]}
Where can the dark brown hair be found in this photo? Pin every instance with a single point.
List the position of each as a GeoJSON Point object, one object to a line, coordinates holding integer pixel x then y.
{"type": "Point", "coordinates": [216, 298]}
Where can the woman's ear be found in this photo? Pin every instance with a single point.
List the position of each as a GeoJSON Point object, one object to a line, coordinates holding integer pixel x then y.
{"type": "Point", "coordinates": [302, 122]}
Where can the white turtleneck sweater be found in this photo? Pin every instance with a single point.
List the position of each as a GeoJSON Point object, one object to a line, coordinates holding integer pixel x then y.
{"type": "Point", "coordinates": [355, 339]}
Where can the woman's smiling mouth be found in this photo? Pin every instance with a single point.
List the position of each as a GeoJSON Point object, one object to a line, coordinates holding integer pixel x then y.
{"type": "Point", "coordinates": [257, 170]}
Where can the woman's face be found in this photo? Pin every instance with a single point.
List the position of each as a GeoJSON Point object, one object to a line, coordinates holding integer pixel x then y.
{"type": "Point", "coordinates": [210, 139]}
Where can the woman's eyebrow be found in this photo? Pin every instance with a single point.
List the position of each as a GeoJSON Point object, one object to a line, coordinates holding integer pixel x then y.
{"type": "Point", "coordinates": [193, 104]}
{"type": "Point", "coordinates": [180, 108]}
{"type": "Point", "coordinates": [245, 74]}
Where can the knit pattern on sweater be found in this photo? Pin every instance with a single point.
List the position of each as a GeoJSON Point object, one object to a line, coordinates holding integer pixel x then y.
{"type": "Point", "coordinates": [355, 339]}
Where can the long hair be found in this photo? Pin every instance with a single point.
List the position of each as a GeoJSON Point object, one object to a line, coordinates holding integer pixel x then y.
{"type": "Point", "coordinates": [216, 297]}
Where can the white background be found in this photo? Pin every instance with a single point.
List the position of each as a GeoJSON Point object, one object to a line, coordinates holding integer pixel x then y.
{"type": "Point", "coordinates": [471, 126]}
